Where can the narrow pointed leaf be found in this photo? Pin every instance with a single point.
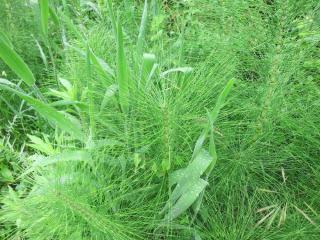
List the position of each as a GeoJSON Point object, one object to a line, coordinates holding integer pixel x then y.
{"type": "Point", "coordinates": [42, 54]}
{"type": "Point", "coordinates": [221, 99]}
{"type": "Point", "coordinates": [16, 63]}
{"type": "Point", "coordinates": [122, 71]}
{"type": "Point", "coordinates": [44, 16]}
{"type": "Point", "coordinates": [142, 29]}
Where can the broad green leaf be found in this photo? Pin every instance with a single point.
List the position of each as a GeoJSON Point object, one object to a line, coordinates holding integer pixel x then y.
{"type": "Point", "coordinates": [50, 113]}
{"type": "Point", "coordinates": [186, 200]}
{"type": "Point", "coordinates": [194, 170]}
{"type": "Point", "coordinates": [44, 16]}
{"type": "Point", "coordinates": [142, 29]}
{"type": "Point", "coordinates": [122, 71]}
{"type": "Point", "coordinates": [176, 176]}
{"type": "Point", "coordinates": [198, 166]}
{"type": "Point", "coordinates": [187, 179]}
{"type": "Point", "coordinates": [15, 62]}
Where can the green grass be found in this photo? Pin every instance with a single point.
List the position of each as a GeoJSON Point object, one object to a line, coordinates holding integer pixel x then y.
{"type": "Point", "coordinates": [159, 120]}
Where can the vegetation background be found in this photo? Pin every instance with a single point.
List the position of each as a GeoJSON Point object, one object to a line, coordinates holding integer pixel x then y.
{"type": "Point", "coordinates": [186, 119]}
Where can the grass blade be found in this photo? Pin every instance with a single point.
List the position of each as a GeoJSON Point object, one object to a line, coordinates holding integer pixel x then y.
{"type": "Point", "coordinates": [42, 54]}
{"type": "Point", "coordinates": [122, 71]}
{"type": "Point", "coordinates": [16, 63]}
{"type": "Point", "coordinates": [221, 99]}
{"type": "Point", "coordinates": [179, 69]}
{"type": "Point", "coordinates": [101, 65]}
{"type": "Point", "coordinates": [44, 17]}
{"type": "Point", "coordinates": [142, 30]}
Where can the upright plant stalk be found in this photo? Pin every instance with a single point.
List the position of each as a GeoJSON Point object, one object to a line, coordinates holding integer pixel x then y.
{"type": "Point", "coordinates": [90, 90]}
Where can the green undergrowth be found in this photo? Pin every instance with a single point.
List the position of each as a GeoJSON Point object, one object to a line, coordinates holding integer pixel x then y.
{"type": "Point", "coordinates": [159, 119]}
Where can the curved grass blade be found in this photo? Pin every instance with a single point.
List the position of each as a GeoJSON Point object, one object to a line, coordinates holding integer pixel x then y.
{"type": "Point", "coordinates": [15, 62]}
{"type": "Point", "coordinates": [50, 113]}
{"type": "Point", "coordinates": [221, 99]}
{"type": "Point", "coordinates": [179, 69]}
{"type": "Point", "coordinates": [148, 61]}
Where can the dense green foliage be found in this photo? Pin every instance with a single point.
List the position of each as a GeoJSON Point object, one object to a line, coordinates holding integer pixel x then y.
{"type": "Point", "coordinates": [152, 119]}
